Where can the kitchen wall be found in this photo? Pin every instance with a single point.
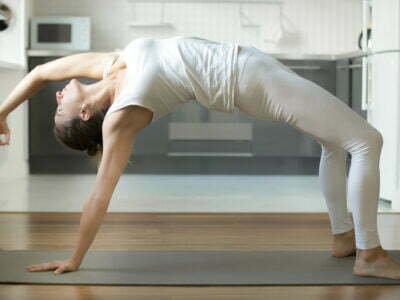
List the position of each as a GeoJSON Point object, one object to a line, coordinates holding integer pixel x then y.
{"type": "Point", "coordinates": [311, 26]}
{"type": "Point", "coordinates": [308, 26]}
{"type": "Point", "coordinates": [12, 40]}
{"type": "Point", "coordinates": [14, 158]}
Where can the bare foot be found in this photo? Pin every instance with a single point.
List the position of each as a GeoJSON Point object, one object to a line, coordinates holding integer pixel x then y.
{"type": "Point", "coordinates": [344, 244]}
{"type": "Point", "coordinates": [376, 262]}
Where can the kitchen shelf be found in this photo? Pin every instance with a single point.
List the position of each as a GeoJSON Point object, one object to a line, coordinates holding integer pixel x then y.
{"type": "Point", "coordinates": [150, 24]}
{"type": "Point", "coordinates": [162, 23]}
{"type": "Point", "coordinates": [223, 154]}
{"type": "Point", "coordinates": [59, 52]}
{"type": "Point", "coordinates": [10, 66]}
{"type": "Point", "coordinates": [286, 56]}
{"type": "Point", "coordinates": [210, 131]}
{"type": "Point", "coordinates": [211, 1]}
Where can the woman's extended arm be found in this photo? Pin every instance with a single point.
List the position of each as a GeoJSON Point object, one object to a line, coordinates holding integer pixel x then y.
{"type": "Point", "coordinates": [29, 85]}
{"type": "Point", "coordinates": [119, 133]}
{"type": "Point", "coordinates": [118, 144]}
{"type": "Point", "coordinates": [88, 64]}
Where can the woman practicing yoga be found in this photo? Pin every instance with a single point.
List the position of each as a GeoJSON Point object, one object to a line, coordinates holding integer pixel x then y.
{"type": "Point", "coordinates": [152, 77]}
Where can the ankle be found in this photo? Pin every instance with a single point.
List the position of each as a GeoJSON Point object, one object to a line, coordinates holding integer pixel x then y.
{"type": "Point", "coordinates": [344, 234]}
{"type": "Point", "coordinates": [371, 254]}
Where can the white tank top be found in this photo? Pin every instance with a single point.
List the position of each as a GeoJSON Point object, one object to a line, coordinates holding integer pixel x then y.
{"type": "Point", "coordinates": [163, 74]}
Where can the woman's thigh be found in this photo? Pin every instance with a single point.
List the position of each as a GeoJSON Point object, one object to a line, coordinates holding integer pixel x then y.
{"type": "Point", "coordinates": [268, 90]}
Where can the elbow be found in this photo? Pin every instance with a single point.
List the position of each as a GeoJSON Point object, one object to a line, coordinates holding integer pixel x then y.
{"type": "Point", "coordinates": [37, 72]}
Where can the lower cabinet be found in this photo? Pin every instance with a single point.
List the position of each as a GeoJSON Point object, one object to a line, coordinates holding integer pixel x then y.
{"type": "Point", "coordinates": [271, 142]}
{"type": "Point", "coordinates": [356, 82]}
{"type": "Point", "coordinates": [349, 83]}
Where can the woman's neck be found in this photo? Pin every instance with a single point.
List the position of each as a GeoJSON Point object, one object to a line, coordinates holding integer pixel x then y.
{"type": "Point", "coordinates": [101, 95]}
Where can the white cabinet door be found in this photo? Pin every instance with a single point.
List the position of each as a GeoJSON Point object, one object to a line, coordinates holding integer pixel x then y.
{"type": "Point", "coordinates": [13, 40]}
{"type": "Point", "coordinates": [384, 111]}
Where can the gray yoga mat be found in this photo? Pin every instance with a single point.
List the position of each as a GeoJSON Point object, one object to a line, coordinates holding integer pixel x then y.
{"type": "Point", "coordinates": [190, 268]}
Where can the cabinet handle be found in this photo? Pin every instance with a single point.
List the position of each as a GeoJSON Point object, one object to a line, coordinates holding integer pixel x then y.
{"type": "Point", "coordinates": [244, 154]}
{"type": "Point", "coordinates": [304, 67]}
{"type": "Point", "coordinates": [353, 66]}
{"type": "Point", "coordinates": [367, 5]}
{"type": "Point", "coordinates": [364, 85]}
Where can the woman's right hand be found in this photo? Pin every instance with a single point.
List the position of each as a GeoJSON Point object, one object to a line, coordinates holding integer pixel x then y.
{"type": "Point", "coordinates": [4, 130]}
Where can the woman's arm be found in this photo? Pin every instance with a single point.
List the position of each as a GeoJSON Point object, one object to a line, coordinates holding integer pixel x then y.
{"type": "Point", "coordinates": [89, 64]}
{"type": "Point", "coordinates": [118, 141]}
{"type": "Point", "coordinates": [118, 135]}
{"type": "Point", "coordinates": [29, 85]}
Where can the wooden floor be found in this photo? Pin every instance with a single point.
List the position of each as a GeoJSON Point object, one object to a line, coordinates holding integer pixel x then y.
{"type": "Point", "coordinates": [169, 231]}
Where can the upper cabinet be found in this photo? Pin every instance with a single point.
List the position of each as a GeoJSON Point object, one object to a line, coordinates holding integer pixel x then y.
{"type": "Point", "coordinates": [14, 17]}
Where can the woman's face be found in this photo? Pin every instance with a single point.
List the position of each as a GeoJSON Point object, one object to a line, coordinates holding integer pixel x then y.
{"type": "Point", "coordinates": [69, 102]}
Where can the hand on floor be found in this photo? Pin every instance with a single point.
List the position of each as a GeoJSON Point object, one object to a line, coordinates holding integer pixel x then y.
{"type": "Point", "coordinates": [59, 266]}
{"type": "Point", "coordinates": [4, 130]}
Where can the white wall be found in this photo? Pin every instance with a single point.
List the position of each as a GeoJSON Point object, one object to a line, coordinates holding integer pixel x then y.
{"type": "Point", "coordinates": [317, 26]}
{"type": "Point", "coordinates": [14, 158]}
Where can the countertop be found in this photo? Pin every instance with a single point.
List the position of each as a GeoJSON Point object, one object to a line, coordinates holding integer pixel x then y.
{"type": "Point", "coordinates": [9, 66]}
{"type": "Point", "coordinates": [329, 57]}
{"type": "Point", "coordinates": [294, 56]}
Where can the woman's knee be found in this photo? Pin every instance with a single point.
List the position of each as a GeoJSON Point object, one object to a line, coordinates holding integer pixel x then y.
{"type": "Point", "coordinates": [329, 149]}
{"type": "Point", "coordinates": [371, 143]}
{"type": "Point", "coordinates": [375, 138]}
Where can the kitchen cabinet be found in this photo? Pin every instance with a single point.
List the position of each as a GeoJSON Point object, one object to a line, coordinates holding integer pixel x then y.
{"type": "Point", "coordinates": [356, 83]}
{"type": "Point", "coordinates": [284, 149]}
{"type": "Point", "coordinates": [13, 42]}
{"type": "Point", "coordinates": [348, 83]}
{"type": "Point", "coordinates": [343, 80]}
{"type": "Point", "coordinates": [267, 138]}
{"type": "Point", "coordinates": [196, 131]}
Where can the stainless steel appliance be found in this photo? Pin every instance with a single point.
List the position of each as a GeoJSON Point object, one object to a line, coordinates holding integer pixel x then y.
{"type": "Point", "coordinates": [67, 33]}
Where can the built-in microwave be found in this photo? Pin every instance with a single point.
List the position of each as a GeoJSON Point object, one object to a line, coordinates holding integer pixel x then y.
{"type": "Point", "coordinates": [70, 33]}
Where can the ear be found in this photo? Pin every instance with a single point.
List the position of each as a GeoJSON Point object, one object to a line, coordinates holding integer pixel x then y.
{"type": "Point", "coordinates": [85, 115]}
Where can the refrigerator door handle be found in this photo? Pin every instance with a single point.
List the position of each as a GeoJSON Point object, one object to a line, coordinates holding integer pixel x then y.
{"type": "Point", "coordinates": [364, 86]}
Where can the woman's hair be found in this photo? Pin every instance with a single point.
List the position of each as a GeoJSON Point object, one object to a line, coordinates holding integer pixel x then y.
{"type": "Point", "coordinates": [83, 135]}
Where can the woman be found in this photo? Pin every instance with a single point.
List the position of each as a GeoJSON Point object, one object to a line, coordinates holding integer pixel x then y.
{"type": "Point", "coordinates": [152, 77]}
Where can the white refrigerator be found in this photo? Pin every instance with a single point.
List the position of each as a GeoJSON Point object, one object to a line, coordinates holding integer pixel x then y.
{"type": "Point", "coordinates": [381, 90]}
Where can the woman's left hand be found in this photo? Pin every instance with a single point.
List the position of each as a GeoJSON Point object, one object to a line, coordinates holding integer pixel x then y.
{"type": "Point", "coordinates": [59, 266]}
{"type": "Point", "coordinates": [4, 130]}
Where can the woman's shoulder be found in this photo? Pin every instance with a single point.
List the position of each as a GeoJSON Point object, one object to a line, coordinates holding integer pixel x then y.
{"type": "Point", "coordinates": [129, 117]}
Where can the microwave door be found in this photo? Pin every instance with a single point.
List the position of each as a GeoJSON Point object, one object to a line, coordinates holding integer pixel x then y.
{"type": "Point", "coordinates": [54, 33]}
{"type": "Point", "coordinates": [60, 33]}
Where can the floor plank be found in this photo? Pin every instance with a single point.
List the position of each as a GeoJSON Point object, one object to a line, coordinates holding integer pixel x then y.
{"type": "Point", "coordinates": [186, 231]}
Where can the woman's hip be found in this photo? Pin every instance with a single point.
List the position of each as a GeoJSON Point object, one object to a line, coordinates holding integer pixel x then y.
{"type": "Point", "coordinates": [261, 78]}
{"type": "Point", "coordinates": [268, 91]}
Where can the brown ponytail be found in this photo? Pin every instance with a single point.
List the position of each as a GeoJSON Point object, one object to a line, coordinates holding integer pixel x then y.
{"type": "Point", "coordinates": [83, 135]}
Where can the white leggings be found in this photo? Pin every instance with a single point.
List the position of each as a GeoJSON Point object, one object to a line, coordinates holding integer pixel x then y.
{"type": "Point", "coordinates": [269, 90]}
